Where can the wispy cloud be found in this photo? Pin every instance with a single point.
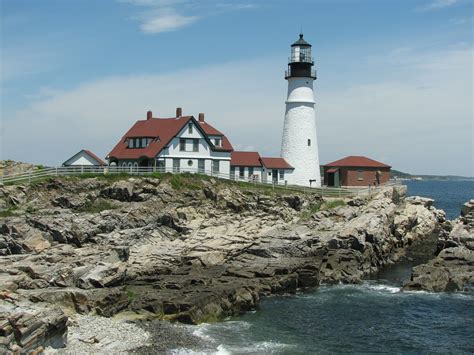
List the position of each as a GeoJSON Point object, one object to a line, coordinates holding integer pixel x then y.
{"type": "Point", "coordinates": [437, 4]}
{"type": "Point", "coordinates": [165, 21]}
{"type": "Point", "coordinates": [159, 16]}
{"type": "Point", "coordinates": [462, 21]}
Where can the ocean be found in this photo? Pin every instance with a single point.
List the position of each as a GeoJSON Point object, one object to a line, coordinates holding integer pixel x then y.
{"type": "Point", "coordinates": [375, 316]}
{"type": "Point", "coordinates": [448, 195]}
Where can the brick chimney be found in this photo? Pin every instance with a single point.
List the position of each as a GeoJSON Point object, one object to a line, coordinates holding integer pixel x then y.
{"type": "Point", "coordinates": [179, 112]}
{"type": "Point", "coordinates": [201, 117]}
{"type": "Point", "coordinates": [149, 115]}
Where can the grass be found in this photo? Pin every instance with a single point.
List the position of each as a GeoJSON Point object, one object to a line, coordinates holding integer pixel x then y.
{"type": "Point", "coordinates": [97, 206]}
{"type": "Point", "coordinates": [8, 212]}
{"type": "Point", "coordinates": [329, 205]}
{"type": "Point", "coordinates": [321, 206]}
{"type": "Point", "coordinates": [131, 295]}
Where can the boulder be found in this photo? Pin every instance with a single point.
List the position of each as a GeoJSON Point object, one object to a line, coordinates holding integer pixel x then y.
{"type": "Point", "coordinates": [103, 275]}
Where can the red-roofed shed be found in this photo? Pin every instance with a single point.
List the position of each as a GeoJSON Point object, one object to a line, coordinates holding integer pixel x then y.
{"type": "Point", "coordinates": [356, 171]}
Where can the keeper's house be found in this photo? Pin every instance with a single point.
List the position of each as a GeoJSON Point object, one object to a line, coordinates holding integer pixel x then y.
{"type": "Point", "coordinates": [356, 171]}
{"type": "Point", "coordinates": [182, 143]}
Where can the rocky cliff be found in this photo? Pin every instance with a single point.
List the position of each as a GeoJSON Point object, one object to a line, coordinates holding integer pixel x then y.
{"type": "Point", "coordinates": [453, 267]}
{"type": "Point", "coordinates": [184, 248]}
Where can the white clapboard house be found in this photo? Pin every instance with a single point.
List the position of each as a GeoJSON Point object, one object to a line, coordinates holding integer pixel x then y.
{"type": "Point", "coordinates": [182, 143]}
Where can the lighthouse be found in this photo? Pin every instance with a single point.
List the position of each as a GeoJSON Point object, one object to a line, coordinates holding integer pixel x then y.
{"type": "Point", "coordinates": [299, 143]}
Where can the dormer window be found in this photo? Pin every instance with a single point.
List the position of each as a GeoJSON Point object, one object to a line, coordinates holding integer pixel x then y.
{"type": "Point", "coordinates": [217, 142]}
{"type": "Point", "coordinates": [139, 142]}
{"type": "Point", "coordinates": [190, 127]}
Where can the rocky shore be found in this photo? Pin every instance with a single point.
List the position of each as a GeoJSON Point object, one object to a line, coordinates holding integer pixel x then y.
{"type": "Point", "coordinates": [453, 267]}
{"type": "Point", "coordinates": [183, 248]}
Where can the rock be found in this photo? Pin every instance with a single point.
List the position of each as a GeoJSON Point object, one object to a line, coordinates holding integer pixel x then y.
{"type": "Point", "coordinates": [121, 191]}
{"type": "Point", "coordinates": [453, 268]}
{"type": "Point", "coordinates": [30, 327]}
{"type": "Point", "coordinates": [417, 200]}
{"type": "Point", "coordinates": [294, 202]}
{"type": "Point", "coordinates": [103, 275]}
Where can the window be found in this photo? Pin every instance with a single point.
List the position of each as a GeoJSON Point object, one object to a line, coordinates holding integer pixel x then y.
{"type": "Point", "coordinates": [360, 175]}
{"type": "Point", "coordinates": [250, 171]}
{"type": "Point", "coordinates": [201, 166]}
{"type": "Point", "coordinates": [309, 142]}
{"type": "Point", "coordinates": [217, 142]}
{"type": "Point", "coordinates": [190, 127]}
{"type": "Point", "coordinates": [176, 165]}
{"type": "Point", "coordinates": [215, 167]}
{"type": "Point", "coordinates": [190, 162]}
{"type": "Point", "coordinates": [182, 144]}
{"type": "Point", "coordinates": [232, 172]}
{"type": "Point", "coordinates": [140, 142]}
{"type": "Point", "coordinates": [195, 145]}
{"type": "Point", "coordinates": [161, 165]}
{"type": "Point", "coordinates": [241, 172]}
{"type": "Point", "coordinates": [282, 174]}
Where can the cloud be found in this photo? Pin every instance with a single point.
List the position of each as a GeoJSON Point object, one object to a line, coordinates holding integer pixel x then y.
{"type": "Point", "coordinates": [462, 20]}
{"type": "Point", "coordinates": [166, 21]}
{"type": "Point", "coordinates": [170, 15]}
{"type": "Point", "coordinates": [388, 119]}
{"type": "Point", "coordinates": [437, 4]}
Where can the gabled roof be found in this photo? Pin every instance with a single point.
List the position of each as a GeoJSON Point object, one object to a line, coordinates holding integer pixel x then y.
{"type": "Point", "coordinates": [163, 130]}
{"type": "Point", "coordinates": [100, 161]}
{"type": "Point", "coordinates": [357, 161]}
{"type": "Point", "coordinates": [90, 154]}
{"type": "Point", "coordinates": [211, 131]}
{"type": "Point", "coordinates": [275, 163]}
{"type": "Point", "coordinates": [245, 159]}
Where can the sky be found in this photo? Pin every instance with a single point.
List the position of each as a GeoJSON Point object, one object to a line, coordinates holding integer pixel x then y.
{"type": "Point", "coordinates": [395, 77]}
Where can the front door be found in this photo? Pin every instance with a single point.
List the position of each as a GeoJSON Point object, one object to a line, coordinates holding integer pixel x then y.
{"type": "Point", "coordinates": [201, 166]}
{"type": "Point", "coordinates": [176, 165]}
{"type": "Point", "coordinates": [275, 176]}
{"type": "Point", "coordinates": [330, 179]}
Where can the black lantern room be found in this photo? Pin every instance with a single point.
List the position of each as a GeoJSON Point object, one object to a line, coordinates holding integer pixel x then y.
{"type": "Point", "coordinates": [300, 63]}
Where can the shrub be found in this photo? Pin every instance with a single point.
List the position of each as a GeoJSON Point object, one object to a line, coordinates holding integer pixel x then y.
{"type": "Point", "coordinates": [329, 205]}
{"type": "Point", "coordinates": [97, 206]}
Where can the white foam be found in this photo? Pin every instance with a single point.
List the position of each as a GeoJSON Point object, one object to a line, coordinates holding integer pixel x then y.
{"type": "Point", "coordinates": [383, 288]}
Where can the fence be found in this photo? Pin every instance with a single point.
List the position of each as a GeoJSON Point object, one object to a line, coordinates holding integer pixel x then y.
{"type": "Point", "coordinates": [31, 176]}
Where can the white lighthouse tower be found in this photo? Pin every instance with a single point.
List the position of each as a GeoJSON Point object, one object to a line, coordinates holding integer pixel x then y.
{"type": "Point", "coordinates": [299, 144]}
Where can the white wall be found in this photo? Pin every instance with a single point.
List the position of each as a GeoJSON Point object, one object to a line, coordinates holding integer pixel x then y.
{"type": "Point", "coordinates": [256, 171]}
{"type": "Point", "coordinates": [81, 159]}
{"type": "Point", "coordinates": [287, 177]}
{"type": "Point", "coordinates": [299, 126]}
{"type": "Point", "coordinates": [173, 152]}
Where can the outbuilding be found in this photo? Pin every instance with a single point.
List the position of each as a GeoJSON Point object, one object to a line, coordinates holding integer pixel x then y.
{"type": "Point", "coordinates": [356, 171]}
{"type": "Point", "coordinates": [84, 158]}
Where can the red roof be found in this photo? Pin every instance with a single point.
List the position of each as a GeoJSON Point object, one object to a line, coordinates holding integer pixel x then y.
{"type": "Point", "coordinates": [245, 159]}
{"type": "Point", "coordinates": [163, 128]}
{"type": "Point", "coordinates": [358, 161]}
{"type": "Point", "coordinates": [275, 163]}
{"type": "Point", "coordinates": [100, 161]}
{"type": "Point", "coordinates": [333, 170]}
{"type": "Point", "coordinates": [211, 131]}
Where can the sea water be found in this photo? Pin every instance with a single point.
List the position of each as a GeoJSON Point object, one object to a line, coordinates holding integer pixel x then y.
{"type": "Point", "coordinates": [375, 316]}
{"type": "Point", "coordinates": [448, 195]}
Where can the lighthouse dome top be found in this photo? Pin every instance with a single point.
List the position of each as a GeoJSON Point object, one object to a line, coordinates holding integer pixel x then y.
{"type": "Point", "coordinates": [301, 42]}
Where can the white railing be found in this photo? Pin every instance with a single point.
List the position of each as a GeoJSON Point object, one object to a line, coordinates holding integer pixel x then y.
{"type": "Point", "coordinates": [85, 171]}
